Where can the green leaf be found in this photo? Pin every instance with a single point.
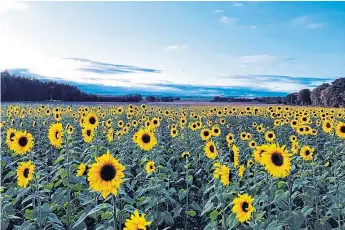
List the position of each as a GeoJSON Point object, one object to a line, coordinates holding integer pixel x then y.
{"type": "Point", "coordinates": [107, 215]}
{"type": "Point", "coordinates": [306, 210]}
{"type": "Point", "coordinates": [281, 184]}
{"type": "Point", "coordinates": [207, 208]}
{"type": "Point", "coordinates": [181, 194]}
{"type": "Point", "coordinates": [58, 160]}
{"type": "Point", "coordinates": [168, 219]}
{"type": "Point", "coordinates": [214, 214]}
{"type": "Point", "coordinates": [28, 214]}
{"type": "Point", "coordinates": [92, 211]}
{"type": "Point", "coordinates": [191, 213]}
{"type": "Point", "coordinates": [232, 221]}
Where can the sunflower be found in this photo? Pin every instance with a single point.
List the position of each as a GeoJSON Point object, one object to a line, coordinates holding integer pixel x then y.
{"type": "Point", "coordinates": [150, 167]}
{"type": "Point", "coordinates": [22, 142]}
{"type": "Point", "coordinates": [328, 164]}
{"type": "Point", "coordinates": [307, 153]}
{"type": "Point", "coordinates": [340, 130]}
{"type": "Point", "coordinates": [230, 138]}
{"type": "Point", "coordinates": [205, 134]}
{"type": "Point", "coordinates": [185, 154]}
{"type": "Point", "coordinates": [145, 139]}
{"type": "Point", "coordinates": [270, 136]}
{"type": "Point", "coordinates": [250, 163]}
{"type": "Point", "coordinates": [210, 150]}
{"type": "Point", "coordinates": [258, 152]}
{"type": "Point", "coordinates": [110, 135]}
{"type": "Point", "coordinates": [277, 161]}
{"type": "Point", "coordinates": [294, 147]}
{"type": "Point", "coordinates": [293, 138]}
{"type": "Point", "coordinates": [223, 173]}
{"type": "Point", "coordinates": [327, 126]}
{"type": "Point", "coordinates": [243, 207]}
{"type": "Point", "coordinates": [173, 132]}
{"type": "Point", "coordinates": [70, 129]}
{"type": "Point", "coordinates": [25, 172]}
{"type": "Point", "coordinates": [10, 137]}
{"type": "Point", "coordinates": [236, 155]}
{"type": "Point", "coordinates": [136, 222]}
{"type": "Point", "coordinates": [243, 136]}
{"type": "Point", "coordinates": [81, 170]}
{"type": "Point", "coordinates": [216, 131]}
{"type": "Point", "coordinates": [88, 133]}
{"type": "Point", "coordinates": [106, 175]}
{"type": "Point", "coordinates": [91, 120]}
{"type": "Point", "coordinates": [241, 170]}
{"type": "Point", "coordinates": [252, 144]}
{"type": "Point", "coordinates": [55, 134]}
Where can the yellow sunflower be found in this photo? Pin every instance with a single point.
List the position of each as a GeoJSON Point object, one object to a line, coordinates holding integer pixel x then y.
{"type": "Point", "coordinates": [252, 144]}
{"type": "Point", "coordinates": [92, 120]}
{"type": "Point", "coordinates": [23, 142]}
{"type": "Point", "coordinates": [294, 147]}
{"type": "Point", "coordinates": [205, 134]}
{"type": "Point", "coordinates": [210, 150]}
{"type": "Point", "coordinates": [270, 136]}
{"type": "Point", "coordinates": [173, 132]}
{"type": "Point", "coordinates": [230, 138]}
{"type": "Point", "coordinates": [250, 163]}
{"type": "Point", "coordinates": [150, 167]}
{"type": "Point", "coordinates": [136, 222]}
{"type": "Point", "coordinates": [81, 170]}
{"type": "Point", "coordinates": [10, 137]}
{"type": "Point", "coordinates": [223, 173]}
{"type": "Point", "coordinates": [236, 155]}
{"type": "Point", "coordinates": [293, 138]}
{"type": "Point", "coordinates": [106, 175]}
{"type": "Point", "coordinates": [216, 131]}
{"type": "Point", "coordinates": [25, 172]}
{"type": "Point", "coordinates": [258, 152]}
{"type": "Point", "coordinates": [145, 139]}
{"type": "Point", "coordinates": [327, 126]}
{"type": "Point", "coordinates": [185, 154]}
{"type": "Point", "coordinates": [277, 161]}
{"type": "Point", "coordinates": [241, 170]}
{"type": "Point", "coordinates": [340, 130]}
{"type": "Point", "coordinates": [243, 207]}
{"type": "Point", "coordinates": [55, 134]}
{"type": "Point", "coordinates": [88, 133]}
{"type": "Point", "coordinates": [307, 153]}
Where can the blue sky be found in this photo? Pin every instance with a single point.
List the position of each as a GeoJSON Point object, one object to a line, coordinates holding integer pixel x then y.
{"type": "Point", "coordinates": [176, 48]}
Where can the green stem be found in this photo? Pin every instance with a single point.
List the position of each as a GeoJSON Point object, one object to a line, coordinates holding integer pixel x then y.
{"type": "Point", "coordinates": [114, 212]}
{"type": "Point", "coordinates": [187, 201]}
{"type": "Point", "coordinates": [290, 193]}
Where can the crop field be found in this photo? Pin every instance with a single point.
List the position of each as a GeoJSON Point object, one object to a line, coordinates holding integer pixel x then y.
{"type": "Point", "coordinates": [172, 167]}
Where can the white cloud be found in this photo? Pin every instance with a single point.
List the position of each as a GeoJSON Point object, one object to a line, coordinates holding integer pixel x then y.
{"type": "Point", "coordinates": [253, 27]}
{"type": "Point", "coordinates": [9, 5]}
{"type": "Point", "coordinates": [218, 11]}
{"type": "Point", "coordinates": [228, 20]}
{"type": "Point", "coordinates": [175, 47]}
{"type": "Point", "coordinates": [237, 4]}
{"type": "Point", "coordinates": [307, 22]}
{"type": "Point", "coordinates": [257, 59]}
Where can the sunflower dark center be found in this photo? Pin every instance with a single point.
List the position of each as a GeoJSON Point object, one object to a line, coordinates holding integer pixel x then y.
{"type": "Point", "coordinates": [216, 130]}
{"type": "Point", "coordinates": [155, 122]}
{"type": "Point", "coordinates": [23, 141]}
{"type": "Point", "coordinates": [277, 159]}
{"type": "Point", "coordinates": [270, 135]}
{"type": "Point", "coordinates": [307, 153]}
{"type": "Point", "coordinates": [88, 132]}
{"type": "Point", "coordinates": [57, 134]}
{"type": "Point", "coordinates": [212, 149]}
{"type": "Point", "coordinates": [245, 206]}
{"type": "Point", "coordinates": [328, 125]}
{"type": "Point", "coordinates": [206, 133]}
{"type": "Point", "coordinates": [174, 131]}
{"type": "Point", "coordinates": [151, 167]}
{"type": "Point", "coordinates": [26, 173]}
{"type": "Point", "coordinates": [342, 129]}
{"type": "Point", "coordinates": [108, 172]}
{"type": "Point", "coordinates": [194, 126]}
{"type": "Point", "coordinates": [92, 120]}
{"type": "Point", "coordinates": [146, 138]}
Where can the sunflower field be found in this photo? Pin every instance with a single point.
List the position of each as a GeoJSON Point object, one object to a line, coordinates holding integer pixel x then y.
{"type": "Point", "coordinates": [172, 167]}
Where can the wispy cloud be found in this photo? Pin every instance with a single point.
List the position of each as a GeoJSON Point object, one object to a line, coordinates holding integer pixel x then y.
{"type": "Point", "coordinates": [9, 5]}
{"type": "Point", "coordinates": [228, 20]}
{"type": "Point", "coordinates": [308, 22]}
{"type": "Point", "coordinates": [176, 47]}
{"type": "Point", "coordinates": [253, 27]}
{"type": "Point", "coordinates": [257, 59]}
{"type": "Point", "coordinates": [218, 11]}
{"type": "Point", "coordinates": [237, 4]}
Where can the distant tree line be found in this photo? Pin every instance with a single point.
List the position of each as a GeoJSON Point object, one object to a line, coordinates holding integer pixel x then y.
{"type": "Point", "coordinates": [17, 88]}
{"type": "Point", "coordinates": [330, 95]}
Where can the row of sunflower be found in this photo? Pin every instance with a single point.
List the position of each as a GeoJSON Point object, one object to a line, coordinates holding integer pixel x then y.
{"type": "Point", "coordinates": [235, 146]}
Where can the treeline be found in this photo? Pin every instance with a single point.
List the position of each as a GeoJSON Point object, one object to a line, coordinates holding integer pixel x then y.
{"type": "Point", "coordinates": [329, 95]}
{"type": "Point", "coordinates": [17, 88]}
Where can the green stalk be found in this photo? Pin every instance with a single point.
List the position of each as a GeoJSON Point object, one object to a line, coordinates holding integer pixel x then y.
{"type": "Point", "coordinates": [68, 186]}
{"type": "Point", "coordinates": [187, 201]}
{"type": "Point", "coordinates": [114, 212]}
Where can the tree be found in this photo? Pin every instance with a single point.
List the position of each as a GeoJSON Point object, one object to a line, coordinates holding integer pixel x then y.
{"type": "Point", "coordinates": [315, 95]}
{"type": "Point", "coordinates": [303, 97]}
{"type": "Point", "coordinates": [334, 95]}
{"type": "Point", "coordinates": [291, 98]}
